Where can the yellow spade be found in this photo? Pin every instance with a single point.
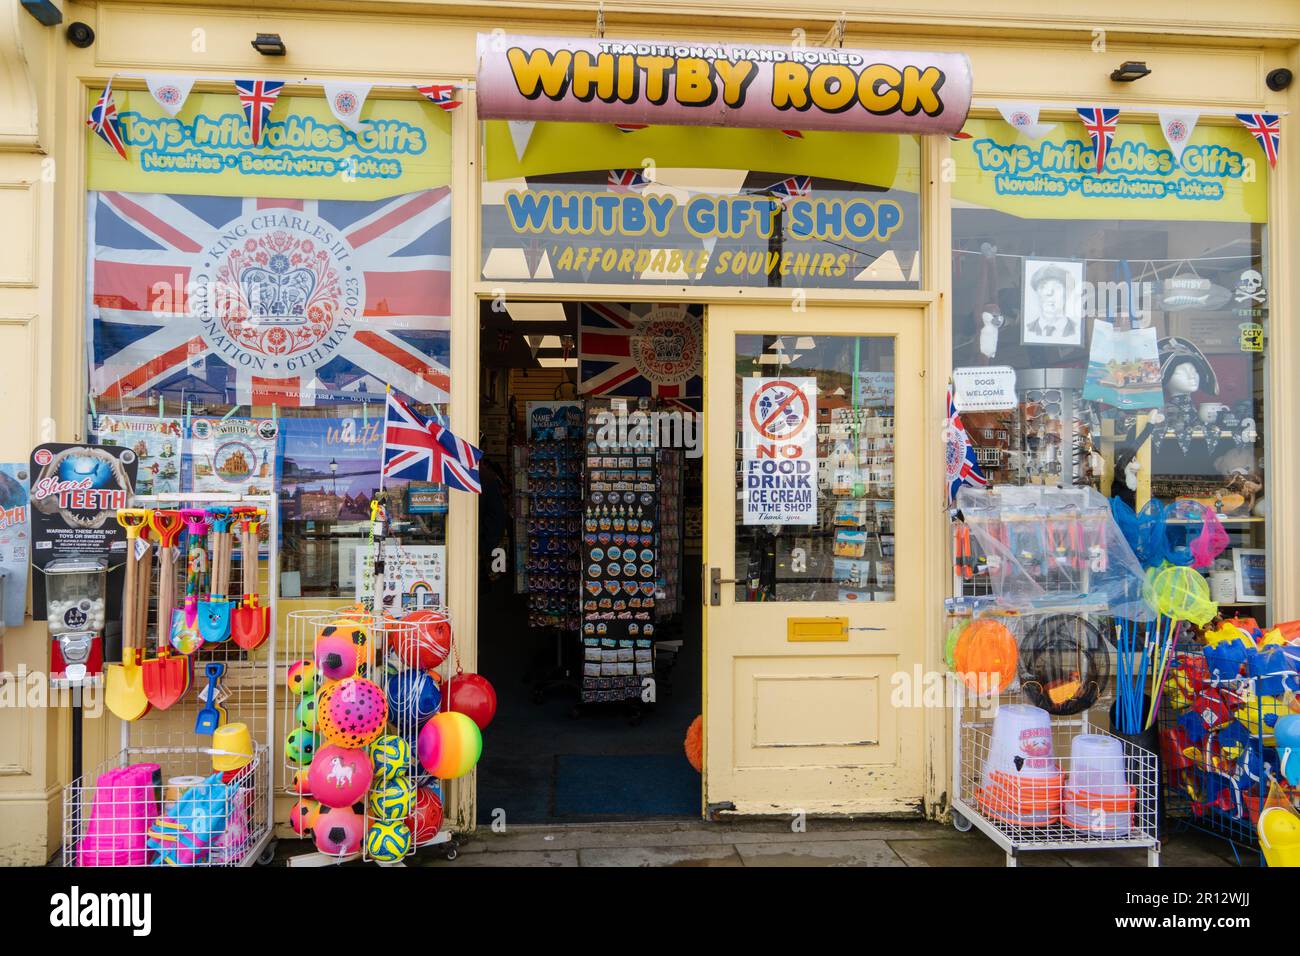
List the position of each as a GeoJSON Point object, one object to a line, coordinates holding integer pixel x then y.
{"type": "Point", "coordinates": [124, 683]}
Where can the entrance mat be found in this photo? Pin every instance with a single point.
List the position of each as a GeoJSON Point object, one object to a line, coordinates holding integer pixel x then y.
{"type": "Point", "coordinates": [626, 785]}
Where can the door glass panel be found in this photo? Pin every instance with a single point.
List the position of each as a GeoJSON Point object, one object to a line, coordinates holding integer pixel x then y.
{"type": "Point", "coordinates": [814, 468]}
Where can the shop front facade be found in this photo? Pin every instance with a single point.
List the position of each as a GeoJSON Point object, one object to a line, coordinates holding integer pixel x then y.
{"type": "Point", "coordinates": [823, 285]}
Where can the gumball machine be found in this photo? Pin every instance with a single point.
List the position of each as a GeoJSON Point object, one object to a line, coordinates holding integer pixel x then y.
{"type": "Point", "coordinates": [75, 590]}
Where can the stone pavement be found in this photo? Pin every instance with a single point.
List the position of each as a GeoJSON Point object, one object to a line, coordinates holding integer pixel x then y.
{"type": "Point", "coordinates": [771, 843]}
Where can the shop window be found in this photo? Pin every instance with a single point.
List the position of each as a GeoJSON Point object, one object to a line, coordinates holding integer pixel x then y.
{"type": "Point", "coordinates": [248, 306]}
{"type": "Point", "coordinates": [590, 203]}
{"type": "Point", "coordinates": [1130, 309]}
{"type": "Point", "coordinates": [815, 468]}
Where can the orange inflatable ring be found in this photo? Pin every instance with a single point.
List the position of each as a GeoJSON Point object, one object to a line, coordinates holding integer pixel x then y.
{"type": "Point", "coordinates": [986, 649]}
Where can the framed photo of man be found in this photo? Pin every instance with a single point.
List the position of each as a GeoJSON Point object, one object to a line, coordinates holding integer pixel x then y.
{"type": "Point", "coordinates": [1051, 305]}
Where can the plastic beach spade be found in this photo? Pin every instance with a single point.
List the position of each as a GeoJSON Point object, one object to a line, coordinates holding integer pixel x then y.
{"type": "Point", "coordinates": [214, 611]}
{"type": "Point", "coordinates": [123, 690]}
{"type": "Point", "coordinates": [211, 715]}
{"type": "Point", "coordinates": [166, 675]}
{"type": "Point", "coordinates": [185, 636]}
{"type": "Point", "coordinates": [250, 623]}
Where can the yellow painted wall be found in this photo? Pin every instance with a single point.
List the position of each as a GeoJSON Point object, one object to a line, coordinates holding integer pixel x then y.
{"type": "Point", "coordinates": [1202, 52]}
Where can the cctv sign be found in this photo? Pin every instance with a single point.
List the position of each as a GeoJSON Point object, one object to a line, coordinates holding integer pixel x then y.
{"type": "Point", "coordinates": [779, 457]}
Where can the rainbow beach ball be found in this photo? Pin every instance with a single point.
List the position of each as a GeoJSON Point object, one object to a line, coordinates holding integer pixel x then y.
{"type": "Point", "coordinates": [449, 745]}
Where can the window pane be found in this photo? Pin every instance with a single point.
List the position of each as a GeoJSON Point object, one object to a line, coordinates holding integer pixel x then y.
{"type": "Point", "coordinates": [1132, 307]}
{"type": "Point", "coordinates": [815, 468]}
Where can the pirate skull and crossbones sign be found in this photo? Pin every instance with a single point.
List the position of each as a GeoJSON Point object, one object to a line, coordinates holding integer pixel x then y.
{"type": "Point", "coordinates": [1250, 288]}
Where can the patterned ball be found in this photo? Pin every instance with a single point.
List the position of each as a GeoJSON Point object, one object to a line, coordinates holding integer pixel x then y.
{"type": "Point", "coordinates": [339, 777]}
{"type": "Point", "coordinates": [393, 800]}
{"type": "Point", "coordinates": [303, 816]}
{"type": "Point", "coordinates": [306, 712]}
{"type": "Point", "coordinates": [389, 756]}
{"type": "Point", "coordinates": [387, 841]}
{"type": "Point", "coordinates": [339, 831]}
{"type": "Point", "coordinates": [413, 697]}
{"type": "Point", "coordinates": [449, 745]}
{"type": "Point", "coordinates": [300, 745]}
{"type": "Point", "coordinates": [335, 639]}
{"type": "Point", "coordinates": [351, 713]}
{"type": "Point", "coordinates": [298, 783]}
{"type": "Point", "coordinates": [426, 816]}
{"type": "Point", "coordinates": [425, 641]}
{"type": "Point", "coordinates": [301, 677]}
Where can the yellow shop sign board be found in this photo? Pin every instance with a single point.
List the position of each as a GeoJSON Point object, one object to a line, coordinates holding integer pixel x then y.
{"type": "Point", "coordinates": [1222, 175]}
{"type": "Point", "coordinates": [306, 153]}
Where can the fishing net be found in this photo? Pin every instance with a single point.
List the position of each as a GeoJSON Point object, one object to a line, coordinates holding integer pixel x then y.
{"type": "Point", "coordinates": [1181, 593]}
{"type": "Point", "coordinates": [1047, 546]}
{"type": "Point", "coordinates": [1183, 532]}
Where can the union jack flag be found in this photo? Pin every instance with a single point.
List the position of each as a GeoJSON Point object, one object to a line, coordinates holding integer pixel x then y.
{"type": "Point", "coordinates": [793, 186]}
{"type": "Point", "coordinates": [1101, 122]}
{"type": "Point", "coordinates": [318, 301]}
{"type": "Point", "coordinates": [627, 180]}
{"type": "Point", "coordinates": [961, 460]}
{"type": "Point", "coordinates": [441, 95]}
{"type": "Point", "coordinates": [104, 121]}
{"type": "Point", "coordinates": [422, 450]}
{"type": "Point", "coordinates": [257, 97]}
{"type": "Point", "coordinates": [642, 350]}
{"type": "Point", "coordinates": [1267, 130]}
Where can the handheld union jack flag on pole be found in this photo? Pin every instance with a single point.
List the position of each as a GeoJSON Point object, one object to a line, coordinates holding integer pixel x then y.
{"type": "Point", "coordinates": [103, 120]}
{"type": "Point", "coordinates": [422, 450]}
{"type": "Point", "coordinates": [257, 97]}
{"type": "Point", "coordinates": [1267, 130]}
{"type": "Point", "coordinates": [441, 95]}
{"type": "Point", "coordinates": [1101, 122]}
{"type": "Point", "coordinates": [962, 464]}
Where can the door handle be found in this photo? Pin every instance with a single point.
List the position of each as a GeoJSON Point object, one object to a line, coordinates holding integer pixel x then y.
{"type": "Point", "coordinates": [716, 581]}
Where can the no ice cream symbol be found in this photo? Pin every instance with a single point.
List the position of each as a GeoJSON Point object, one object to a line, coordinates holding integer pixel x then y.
{"type": "Point", "coordinates": [778, 411]}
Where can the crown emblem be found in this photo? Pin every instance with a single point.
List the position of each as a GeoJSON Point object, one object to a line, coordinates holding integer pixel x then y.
{"type": "Point", "coordinates": [277, 295]}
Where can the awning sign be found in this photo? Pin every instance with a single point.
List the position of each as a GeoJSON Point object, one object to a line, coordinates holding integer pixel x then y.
{"type": "Point", "coordinates": [688, 83]}
{"type": "Point", "coordinates": [779, 464]}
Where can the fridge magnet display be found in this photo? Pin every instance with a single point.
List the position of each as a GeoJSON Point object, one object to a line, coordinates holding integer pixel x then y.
{"type": "Point", "coordinates": [156, 443]}
{"type": "Point", "coordinates": [1052, 302]}
{"type": "Point", "coordinates": [415, 576]}
{"type": "Point", "coordinates": [1250, 565]}
{"type": "Point", "coordinates": [15, 540]}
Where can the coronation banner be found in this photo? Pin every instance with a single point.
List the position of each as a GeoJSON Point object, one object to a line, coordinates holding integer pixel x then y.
{"type": "Point", "coordinates": [689, 83]}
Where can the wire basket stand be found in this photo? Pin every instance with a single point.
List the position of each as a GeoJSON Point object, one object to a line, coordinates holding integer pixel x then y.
{"type": "Point", "coordinates": [1050, 813]}
{"type": "Point", "coordinates": [107, 810]}
{"type": "Point", "coordinates": [379, 662]}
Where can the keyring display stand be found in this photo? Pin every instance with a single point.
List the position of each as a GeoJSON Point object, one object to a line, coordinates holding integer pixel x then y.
{"type": "Point", "coordinates": [106, 810]}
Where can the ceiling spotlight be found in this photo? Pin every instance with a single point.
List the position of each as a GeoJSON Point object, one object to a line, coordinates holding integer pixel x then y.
{"type": "Point", "coordinates": [269, 44]}
{"type": "Point", "coordinates": [1129, 71]}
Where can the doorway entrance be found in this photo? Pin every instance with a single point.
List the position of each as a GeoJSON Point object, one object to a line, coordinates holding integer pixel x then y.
{"type": "Point", "coordinates": [814, 564]}
{"type": "Point", "coordinates": [589, 560]}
